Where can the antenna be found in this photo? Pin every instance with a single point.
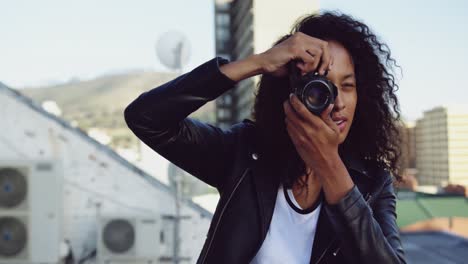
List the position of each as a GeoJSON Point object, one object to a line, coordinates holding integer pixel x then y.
{"type": "Point", "coordinates": [173, 50]}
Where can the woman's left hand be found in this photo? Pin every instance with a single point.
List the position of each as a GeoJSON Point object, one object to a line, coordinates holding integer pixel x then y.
{"type": "Point", "coordinates": [316, 138]}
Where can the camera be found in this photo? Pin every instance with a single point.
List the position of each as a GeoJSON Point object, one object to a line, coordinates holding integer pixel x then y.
{"type": "Point", "coordinates": [315, 91]}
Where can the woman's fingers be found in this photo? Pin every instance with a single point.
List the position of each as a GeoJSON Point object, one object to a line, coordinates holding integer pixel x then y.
{"type": "Point", "coordinates": [326, 117]}
{"type": "Point", "coordinates": [303, 113]}
{"type": "Point", "coordinates": [294, 133]}
{"type": "Point", "coordinates": [320, 51]}
{"type": "Point", "coordinates": [318, 58]}
{"type": "Point", "coordinates": [290, 113]}
{"type": "Point", "coordinates": [325, 60]}
{"type": "Point", "coordinates": [312, 52]}
{"type": "Point", "coordinates": [308, 60]}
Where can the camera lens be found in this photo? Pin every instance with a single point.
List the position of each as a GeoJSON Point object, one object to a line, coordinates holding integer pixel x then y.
{"type": "Point", "coordinates": [315, 91]}
{"type": "Point", "coordinates": [316, 94]}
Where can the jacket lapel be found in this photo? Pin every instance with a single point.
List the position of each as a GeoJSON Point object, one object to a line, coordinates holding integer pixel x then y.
{"type": "Point", "coordinates": [265, 180]}
{"type": "Point", "coordinates": [266, 186]}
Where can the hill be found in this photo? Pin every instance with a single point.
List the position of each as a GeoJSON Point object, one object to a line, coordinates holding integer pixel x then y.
{"type": "Point", "coordinates": [99, 103]}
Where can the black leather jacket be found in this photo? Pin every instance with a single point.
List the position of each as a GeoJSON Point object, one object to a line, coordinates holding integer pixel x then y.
{"type": "Point", "coordinates": [361, 228]}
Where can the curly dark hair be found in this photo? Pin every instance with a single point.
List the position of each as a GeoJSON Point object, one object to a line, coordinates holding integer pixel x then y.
{"type": "Point", "coordinates": [374, 134]}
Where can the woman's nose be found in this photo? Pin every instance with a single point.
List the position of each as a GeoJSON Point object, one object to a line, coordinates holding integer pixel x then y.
{"type": "Point", "coordinates": [339, 102]}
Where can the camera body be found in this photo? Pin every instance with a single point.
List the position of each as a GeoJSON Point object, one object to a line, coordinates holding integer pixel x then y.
{"type": "Point", "coordinates": [315, 91]}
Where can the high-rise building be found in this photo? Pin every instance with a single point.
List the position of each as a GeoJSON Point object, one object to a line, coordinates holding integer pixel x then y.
{"type": "Point", "coordinates": [225, 110]}
{"type": "Point", "coordinates": [442, 146]}
{"type": "Point", "coordinates": [246, 27]}
{"type": "Point", "coordinates": [408, 146]}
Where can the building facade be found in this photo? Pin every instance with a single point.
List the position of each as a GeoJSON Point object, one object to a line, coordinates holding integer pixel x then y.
{"type": "Point", "coordinates": [408, 145]}
{"type": "Point", "coordinates": [61, 189]}
{"type": "Point", "coordinates": [250, 27]}
{"type": "Point", "coordinates": [442, 146]}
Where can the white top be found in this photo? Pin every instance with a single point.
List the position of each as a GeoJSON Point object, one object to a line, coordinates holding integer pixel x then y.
{"type": "Point", "coordinates": [291, 234]}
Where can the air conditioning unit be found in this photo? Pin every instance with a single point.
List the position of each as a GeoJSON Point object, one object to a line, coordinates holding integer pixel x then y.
{"type": "Point", "coordinates": [30, 211]}
{"type": "Point", "coordinates": [129, 239]}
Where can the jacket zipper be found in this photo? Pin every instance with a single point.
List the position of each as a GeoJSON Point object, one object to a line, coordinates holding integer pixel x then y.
{"type": "Point", "coordinates": [325, 251]}
{"type": "Point", "coordinates": [222, 212]}
{"type": "Point", "coordinates": [335, 252]}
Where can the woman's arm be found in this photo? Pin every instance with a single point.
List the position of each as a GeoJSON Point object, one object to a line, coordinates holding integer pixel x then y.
{"type": "Point", "coordinates": [373, 233]}
{"type": "Point", "coordinates": [242, 69]}
{"type": "Point", "coordinates": [159, 118]}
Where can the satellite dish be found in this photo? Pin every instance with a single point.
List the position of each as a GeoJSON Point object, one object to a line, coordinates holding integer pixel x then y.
{"type": "Point", "coordinates": [173, 50]}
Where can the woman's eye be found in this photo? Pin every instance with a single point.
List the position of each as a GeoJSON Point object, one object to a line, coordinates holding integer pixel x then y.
{"type": "Point", "coordinates": [348, 85]}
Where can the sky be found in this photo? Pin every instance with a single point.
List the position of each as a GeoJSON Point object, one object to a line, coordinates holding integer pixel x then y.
{"type": "Point", "coordinates": [52, 41]}
{"type": "Point", "coordinates": [428, 39]}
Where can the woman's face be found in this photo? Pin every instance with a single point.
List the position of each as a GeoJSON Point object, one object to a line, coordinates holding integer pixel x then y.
{"type": "Point", "coordinates": [343, 76]}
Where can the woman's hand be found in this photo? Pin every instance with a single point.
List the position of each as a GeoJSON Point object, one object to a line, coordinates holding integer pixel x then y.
{"type": "Point", "coordinates": [309, 50]}
{"type": "Point", "coordinates": [316, 138]}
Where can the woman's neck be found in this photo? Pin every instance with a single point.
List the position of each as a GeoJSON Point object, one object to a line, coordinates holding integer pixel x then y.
{"type": "Point", "coordinates": [307, 195]}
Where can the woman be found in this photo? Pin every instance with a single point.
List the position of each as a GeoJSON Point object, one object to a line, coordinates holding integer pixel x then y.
{"type": "Point", "coordinates": [294, 187]}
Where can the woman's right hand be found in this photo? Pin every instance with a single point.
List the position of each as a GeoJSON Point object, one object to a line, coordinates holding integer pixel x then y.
{"type": "Point", "coordinates": [307, 50]}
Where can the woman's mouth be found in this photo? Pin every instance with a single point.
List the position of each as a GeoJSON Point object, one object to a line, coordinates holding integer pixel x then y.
{"type": "Point", "coordinates": [340, 122]}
